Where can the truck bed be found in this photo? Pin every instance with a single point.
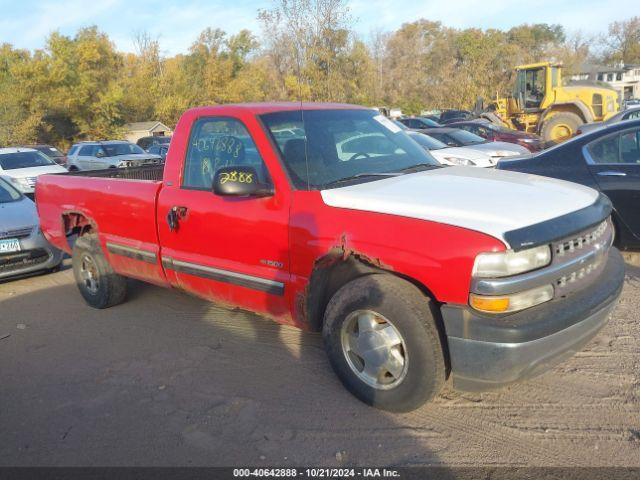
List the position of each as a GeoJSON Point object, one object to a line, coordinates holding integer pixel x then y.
{"type": "Point", "coordinates": [101, 198]}
{"type": "Point", "coordinates": [149, 172]}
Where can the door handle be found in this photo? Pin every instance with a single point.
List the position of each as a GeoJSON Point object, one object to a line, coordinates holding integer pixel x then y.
{"type": "Point", "coordinates": [174, 216]}
{"type": "Point", "coordinates": [612, 173]}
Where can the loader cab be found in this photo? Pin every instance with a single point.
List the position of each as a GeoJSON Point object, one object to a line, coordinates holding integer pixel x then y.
{"type": "Point", "coordinates": [533, 84]}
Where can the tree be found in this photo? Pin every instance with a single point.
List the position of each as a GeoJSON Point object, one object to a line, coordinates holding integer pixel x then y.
{"type": "Point", "coordinates": [622, 45]}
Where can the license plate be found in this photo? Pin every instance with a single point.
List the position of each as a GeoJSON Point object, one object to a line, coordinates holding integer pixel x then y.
{"type": "Point", "coordinates": [10, 245]}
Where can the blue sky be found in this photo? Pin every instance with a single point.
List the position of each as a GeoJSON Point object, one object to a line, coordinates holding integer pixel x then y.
{"type": "Point", "coordinates": [177, 23]}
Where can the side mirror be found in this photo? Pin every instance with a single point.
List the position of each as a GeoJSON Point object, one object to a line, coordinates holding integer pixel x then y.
{"type": "Point", "coordinates": [99, 154]}
{"type": "Point", "coordinates": [240, 181]}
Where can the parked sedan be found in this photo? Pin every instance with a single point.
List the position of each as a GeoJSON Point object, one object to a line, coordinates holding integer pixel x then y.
{"type": "Point", "coordinates": [50, 151]}
{"type": "Point", "coordinates": [607, 159]}
{"type": "Point", "coordinates": [629, 114]}
{"type": "Point", "coordinates": [497, 133]}
{"type": "Point", "coordinates": [109, 154]}
{"type": "Point", "coordinates": [455, 137]}
{"type": "Point", "coordinates": [451, 155]}
{"type": "Point", "coordinates": [21, 166]}
{"type": "Point", "coordinates": [23, 248]}
{"type": "Point", "coordinates": [418, 123]}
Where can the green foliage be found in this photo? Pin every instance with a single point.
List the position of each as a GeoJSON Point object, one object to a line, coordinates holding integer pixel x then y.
{"type": "Point", "coordinates": [80, 87]}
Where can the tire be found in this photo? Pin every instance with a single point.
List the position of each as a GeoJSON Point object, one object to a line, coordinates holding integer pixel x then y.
{"type": "Point", "coordinates": [386, 299]}
{"type": "Point", "coordinates": [73, 168]}
{"type": "Point", "coordinates": [99, 285]}
{"type": "Point", "coordinates": [560, 127]}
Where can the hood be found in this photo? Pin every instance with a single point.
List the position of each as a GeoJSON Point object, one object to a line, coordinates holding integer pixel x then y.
{"type": "Point", "coordinates": [480, 159]}
{"type": "Point", "coordinates": [19, 214]}
{"type": "Point", "coordinates": [485, 200]}
{"type": "Point", "coordinates": [499, 149]}
{"type": "Point", "coordinates": [33, 171]}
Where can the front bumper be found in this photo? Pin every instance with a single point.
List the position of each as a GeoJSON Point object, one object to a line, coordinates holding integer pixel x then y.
{"type": "Point", "coordinates": [488, 352]}
{"type": "Point", "coordinates": [36, 255]}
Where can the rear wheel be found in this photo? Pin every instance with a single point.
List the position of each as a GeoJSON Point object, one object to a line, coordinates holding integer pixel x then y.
{"type": "Point", "coordinates": [381, 338]}
{"type": "Point", "coordinates": [99, 285]}
{"type": "Point", "coordinates": [560, 127]}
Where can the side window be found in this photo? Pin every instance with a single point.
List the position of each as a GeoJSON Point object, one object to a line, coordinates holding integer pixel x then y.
{"type": "Point", "coordinates": [633, 114]}
{"type": "Point", "coordinates": [605, 151]}
{"type": "Point", "coordinates": [629, 147]}
{"type": "Point", "coordinates": [86, 151]}
{"type": "Point", "coordinates": [216, 143]}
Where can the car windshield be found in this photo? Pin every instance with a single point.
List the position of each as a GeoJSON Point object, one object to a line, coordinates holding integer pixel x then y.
{"type": "Point", "coordinates": [52, 152]}
{"type": "Point", "coordinates": [426, 141]}
{"type": "Point", "coordinates": [332, 146]}
{"type": "Point", "coordinates": [116, 149]}
{"type": "Point", "coordinates": [465, 138]}
{"type": "Point", "coordinates": [8, 193]}
{"type": "Point", "coordinates": [13, 161]}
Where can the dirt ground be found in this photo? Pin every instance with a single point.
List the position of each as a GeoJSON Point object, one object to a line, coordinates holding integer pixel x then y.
{"type": "Point", "coordinates": [167, 379]}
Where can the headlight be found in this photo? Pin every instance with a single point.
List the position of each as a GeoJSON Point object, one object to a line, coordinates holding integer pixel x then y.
{"type": "Point", "coordinates": [511, 303]}
{"type": "Point", "coordinates": [21, 183]}
{"type": "Point", "coordinates": [459, 161]}
{"type": "Point", "coordinates": [504, 153]}
{"type": "Point", "coordinates": [503, 264]}
{"type": "Point", "coordinates": [124, 163]}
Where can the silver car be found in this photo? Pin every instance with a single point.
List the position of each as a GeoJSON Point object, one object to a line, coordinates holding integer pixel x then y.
{"type": "Point", "coordinates": [109, 154]}
{"type": "Point", "coordinates": [23, 248]}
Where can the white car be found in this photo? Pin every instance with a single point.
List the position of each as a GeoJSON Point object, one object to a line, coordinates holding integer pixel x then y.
{"type": "Point", "coordinates": [21, 166]}
{"type": "Point", "coordinates": [452, 155]}
{"type": "Point", "coordinates": [456, 137]}
{"type": "Point", "coordinates": [109, 154]}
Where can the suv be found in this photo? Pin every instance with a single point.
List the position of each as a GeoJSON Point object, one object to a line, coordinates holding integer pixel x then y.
{"type": "Point", "coordinates": [146, 142]}
{"type": "Point", "coordinates": [109, 154]}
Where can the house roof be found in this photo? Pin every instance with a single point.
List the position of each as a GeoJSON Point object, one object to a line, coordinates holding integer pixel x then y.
{"type": "Point", "coordinates": [140, 126]}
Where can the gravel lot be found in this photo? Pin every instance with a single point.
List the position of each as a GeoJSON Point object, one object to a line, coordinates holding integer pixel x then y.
{"type": "Point", "coordinates": [167, 379]}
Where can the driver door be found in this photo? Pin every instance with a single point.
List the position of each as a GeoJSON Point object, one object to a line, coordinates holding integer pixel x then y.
{"type": "Point", "coordinates": [232, 250]}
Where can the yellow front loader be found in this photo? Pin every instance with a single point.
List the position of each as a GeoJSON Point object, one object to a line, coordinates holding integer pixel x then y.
{"type": "Point", "coordinates": [541, 104]}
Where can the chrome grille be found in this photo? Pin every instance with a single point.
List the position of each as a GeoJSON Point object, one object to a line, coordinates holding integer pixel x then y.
{"type": "Point", "coordinates": [16, 232]}
{"type": "Point", "coordinates": [31, 181]}
{"type": "Point", "coordinates": [581, 241]}
{"type": "Point", "coordinates": [588, 251]}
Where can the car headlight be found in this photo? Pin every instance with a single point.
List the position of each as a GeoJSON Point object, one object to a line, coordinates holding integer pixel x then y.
{"type": "Point", "coordinates": [513, 302]}
{"type": "Point", "coordinates": [124, 164]}
{"type": "Point", "coordinates": [21, 183]}
{"type": "Point", "coordinates": [459, 161]}
{"type": "Point", "coordinates": [503, 264]}
{"type": "Point", "coordinates": [504, 153]}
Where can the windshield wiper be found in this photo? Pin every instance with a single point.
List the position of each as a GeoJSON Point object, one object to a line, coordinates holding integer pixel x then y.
{"type": "Point", "coordinates": [360, 175]}
{"type": "Point", "coordinates": [418, 166]}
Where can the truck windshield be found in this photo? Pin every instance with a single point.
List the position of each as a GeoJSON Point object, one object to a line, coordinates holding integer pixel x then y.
{"type": "Point", "coordinates": [322, 147]}
{"type": "Point", "coordinates": [13, 161]}
{"type": "Point", "coordinates": [8, 193]}
{"type": "Point", "coordinates": [116, 149]}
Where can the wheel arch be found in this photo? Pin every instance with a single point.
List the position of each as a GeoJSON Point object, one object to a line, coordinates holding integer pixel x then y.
{"type": "Point", "coordinates": [75, 225]}
{"type": "Point", "coordinates": [577, 107]}
{"type": "Point", "coordinates": [334, 270]}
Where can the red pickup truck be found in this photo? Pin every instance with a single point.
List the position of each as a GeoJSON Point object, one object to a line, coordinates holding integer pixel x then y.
{"type": "Point", "coordinates": [330, 218]}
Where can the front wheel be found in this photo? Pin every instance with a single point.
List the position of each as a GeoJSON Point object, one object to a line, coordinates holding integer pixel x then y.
{"type": "Point", "coordinates": [383, 343]}
{"type": "Point", "coordinates": [560, 127]}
